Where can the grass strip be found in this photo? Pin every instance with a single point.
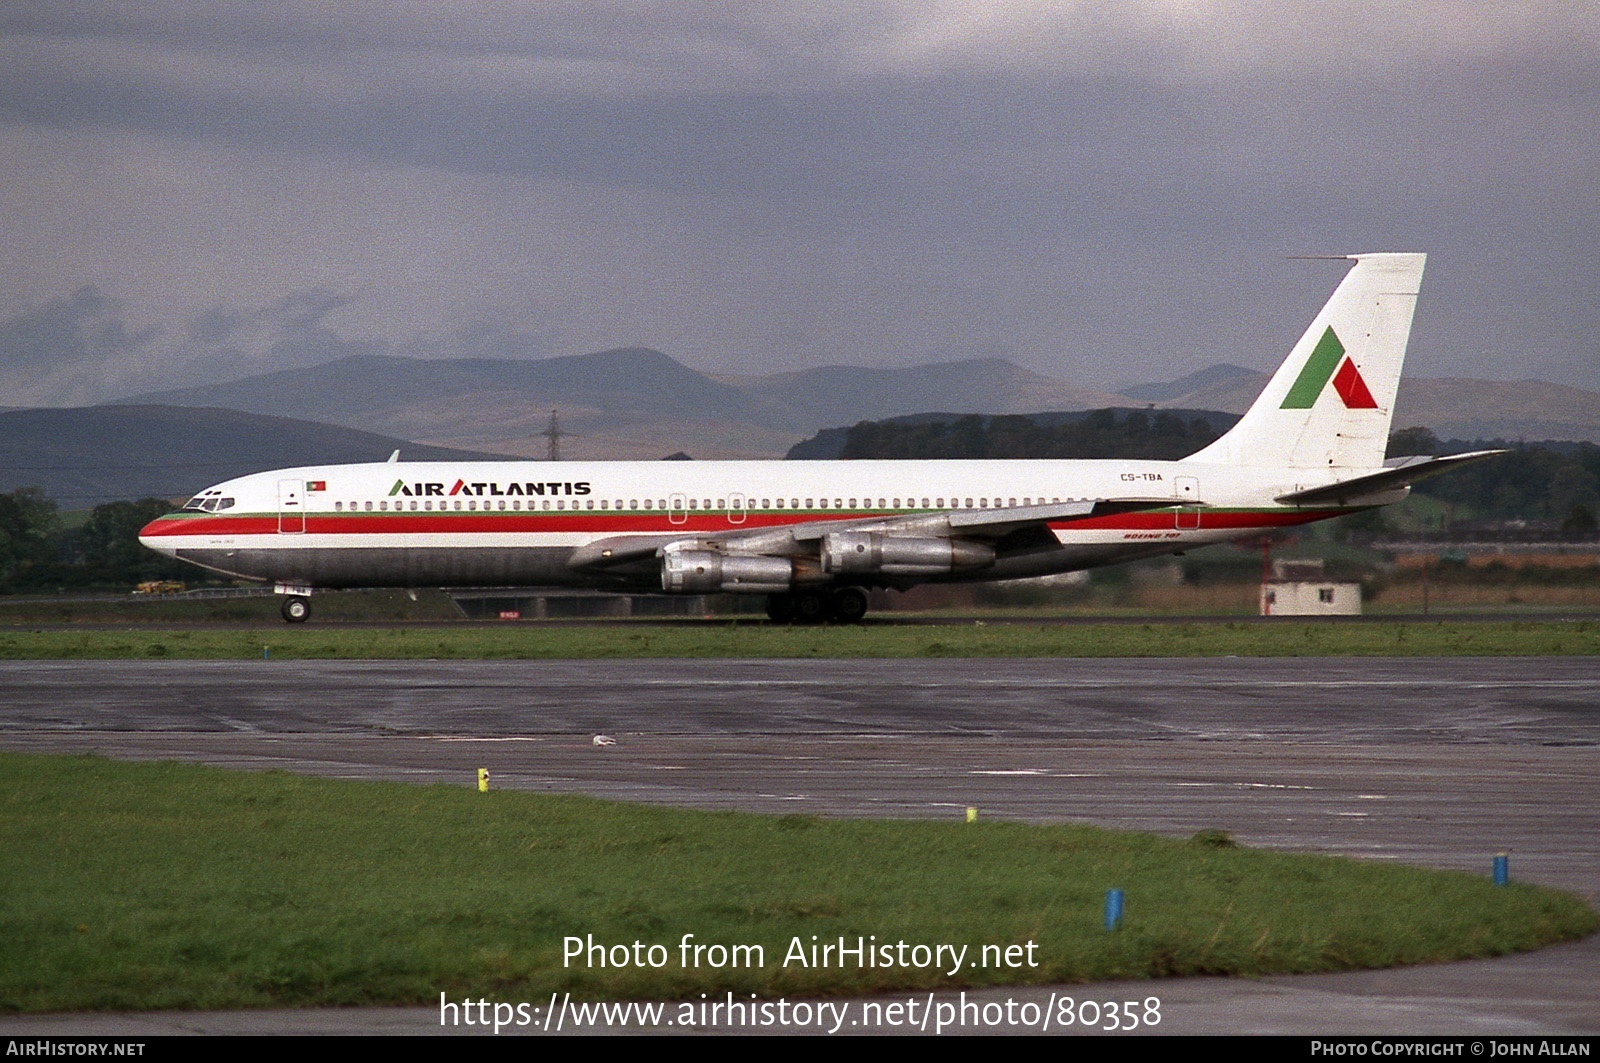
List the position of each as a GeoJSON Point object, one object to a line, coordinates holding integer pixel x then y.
{"type": "Point", "coordinates": [130, 886]}
{"type": "Point", "coordinates": [711, 639]}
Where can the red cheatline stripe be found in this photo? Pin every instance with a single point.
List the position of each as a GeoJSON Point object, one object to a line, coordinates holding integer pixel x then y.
{"type": "Point", "coordinates": [657, 524]}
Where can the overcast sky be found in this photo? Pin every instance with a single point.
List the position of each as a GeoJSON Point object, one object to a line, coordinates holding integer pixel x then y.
{"type": "Point", "coordinates": [1105, 192]}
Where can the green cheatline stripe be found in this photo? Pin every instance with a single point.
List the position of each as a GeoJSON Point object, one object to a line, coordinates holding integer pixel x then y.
{"type": "Point", "coordinates": [1314, 377]}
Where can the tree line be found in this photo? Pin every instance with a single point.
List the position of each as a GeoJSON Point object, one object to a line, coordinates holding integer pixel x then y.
{"type": "Point", "coordinates": [1111, 433]}
{"type": "Point", "coordinates": [40, 552]}
{"type": "Point", "coordinates": [1554, 485]}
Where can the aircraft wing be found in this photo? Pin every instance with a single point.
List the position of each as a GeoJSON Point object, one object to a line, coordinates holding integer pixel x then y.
{"type": "Point", "coordinates": [1398, 473]}
{"type": "Point", "coordinates": [981, 525]}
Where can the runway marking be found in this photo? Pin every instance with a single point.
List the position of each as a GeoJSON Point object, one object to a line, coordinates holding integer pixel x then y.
{"type": "Point", "coordinates": [1013, 771]}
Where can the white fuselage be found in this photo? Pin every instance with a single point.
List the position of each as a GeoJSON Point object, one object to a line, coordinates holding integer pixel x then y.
{"type": "Point", "coordinates": [511, 523]}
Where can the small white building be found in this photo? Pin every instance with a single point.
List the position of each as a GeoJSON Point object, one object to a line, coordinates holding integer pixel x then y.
{"type": "Point", "coordinates": [1298, 589]}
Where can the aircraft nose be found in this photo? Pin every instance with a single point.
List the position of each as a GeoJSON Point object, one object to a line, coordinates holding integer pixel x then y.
{"type": "Point", "coordinates": [153, 536]}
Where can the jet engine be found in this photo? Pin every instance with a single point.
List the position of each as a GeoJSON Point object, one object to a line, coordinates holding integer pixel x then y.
{"type": "Point", "coordinates": [861, 553]}
{"type": "Point", "coordinates": [708, 572]}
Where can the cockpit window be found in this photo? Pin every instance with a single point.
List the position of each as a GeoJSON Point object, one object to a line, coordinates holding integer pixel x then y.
{"type": "Point", "coordinates": [208, 502]}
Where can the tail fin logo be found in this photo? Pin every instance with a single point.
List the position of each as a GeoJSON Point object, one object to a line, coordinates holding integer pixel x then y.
{"type": "Point", "coordinates": [1328, 362]}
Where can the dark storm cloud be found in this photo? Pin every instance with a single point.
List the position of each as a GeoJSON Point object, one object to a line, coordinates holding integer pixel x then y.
{"type": "Point", "coordinates": [1109, 145]}
{"type": "Point", "coordinates": [67, 332]}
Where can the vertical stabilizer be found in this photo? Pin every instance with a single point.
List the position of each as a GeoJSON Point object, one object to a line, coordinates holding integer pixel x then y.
{"type": "Point", "coordinates": [1329, 405]}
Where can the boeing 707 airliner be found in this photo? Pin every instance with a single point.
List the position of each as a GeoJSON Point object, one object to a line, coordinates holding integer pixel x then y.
{"type": "Point", "coordinates": [814, 536]}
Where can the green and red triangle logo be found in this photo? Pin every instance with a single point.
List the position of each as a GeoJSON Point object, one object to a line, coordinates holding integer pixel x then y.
{"type": "Point", "coordinates": [1328, 362]}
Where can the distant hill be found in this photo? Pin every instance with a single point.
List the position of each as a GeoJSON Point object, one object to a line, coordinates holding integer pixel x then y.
{"type": "Point", "coordinates": [1453, 408]}
{"type": "Point", "coordinates": [626, 379]}
{"type": "Point", "coordinates": [639, 403]}
{"type": "Point", "coordinates": [833, 395]}
{"type": "Point", "coordinates": [1215, 376]}
{"type": "Point", "coordinates": [626, 403]}
{"type": "Point", "coordinates": [888, 437]}
{"type": "Point", "coordinates": [85, 456]}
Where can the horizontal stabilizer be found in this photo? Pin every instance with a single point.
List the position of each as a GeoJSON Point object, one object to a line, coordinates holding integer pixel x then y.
{"type": "Point", "coordinates": [1399, 473]}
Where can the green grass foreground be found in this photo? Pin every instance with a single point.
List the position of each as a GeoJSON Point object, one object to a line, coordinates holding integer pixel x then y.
{"type": "Point", "coordinates": [1286, 638]}
{"type": "Point", "coordinates": [129, 886]}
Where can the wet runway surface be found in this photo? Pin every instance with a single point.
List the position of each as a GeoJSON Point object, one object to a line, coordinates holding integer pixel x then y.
{"type": "Point", "coordinates": [1385, 700]}
{"type": "Point", "coordinates": [1433, 762]}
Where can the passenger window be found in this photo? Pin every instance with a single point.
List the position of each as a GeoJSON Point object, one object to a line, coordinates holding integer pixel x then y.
{"type": "Point", "coordinates": [822, 504]}
{"type": "Point", "coordinates": [338, 507]}
{"type": "Point", "coordinates": [794, 503]}
{"type": "Point", "coordinates": [694, 503]}
{"type": "Point", "coordinates": [647, 503]}
{"type": "Point", "coordinates": [722, 504]}
{"type": "Point", "coordinates": [808, 503]}
{"type": "Point", "coordinates": [428, 504]}
{"type": "Point", "coordinates": [413, 506]}
{"type": "Point", "coordinates": [852, 503]}
{"type": "Point", "coordinates": [369, 506]}
{"type": "Point", "coordinates": [926, 506]}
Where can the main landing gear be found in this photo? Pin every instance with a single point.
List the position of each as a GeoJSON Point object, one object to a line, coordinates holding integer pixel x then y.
{"type": "Point", "coordinates": [296, 609]}
{"type": "Point", "coordinates": [847, 605]}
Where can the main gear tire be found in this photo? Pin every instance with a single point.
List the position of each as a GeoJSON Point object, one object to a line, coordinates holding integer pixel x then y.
{"type": "Point", "coordinates": [849, 606]}
{"type": "Point", "coordinates": [780, 608]}
{"type": "Point", "coordinates": [811, 607]}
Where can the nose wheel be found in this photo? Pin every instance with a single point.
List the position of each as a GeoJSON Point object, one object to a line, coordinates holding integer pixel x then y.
{"type": "Point", "coordinates": [296, 609]}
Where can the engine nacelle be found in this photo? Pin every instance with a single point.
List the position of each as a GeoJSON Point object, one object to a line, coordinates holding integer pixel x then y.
{"type": "Point", "coordinates": [708, 572]}
{"type": "Point", "coordinates": [861, 553]}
